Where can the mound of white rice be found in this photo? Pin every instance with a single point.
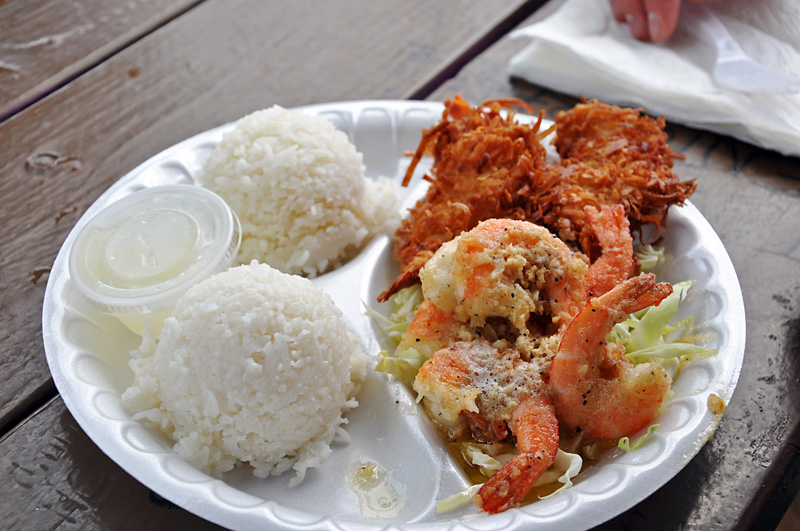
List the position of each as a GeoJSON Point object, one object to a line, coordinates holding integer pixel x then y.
{"type": "Point", "coordinates": [298, 186]}
{"type": "Point", "coordinates": [254, 366]}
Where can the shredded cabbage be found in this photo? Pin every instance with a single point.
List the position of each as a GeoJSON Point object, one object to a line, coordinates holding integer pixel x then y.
{"type": "Point", "coordinates": [404, 366]}
{"type": "Point", "coordinates": [457, 500]}
{"type": "Point", "coordinates": [567, 462]}
{"type": "Point", "coordinates": [648, 336]}
{"type": "Point", "coordinates": [404, 305]}
{"type": "Point", "coordinates": [625, 443]}
{"type": "Point", "coordinates": [488, 457]}
{"type": "Point", "coordinates": [649, 257]}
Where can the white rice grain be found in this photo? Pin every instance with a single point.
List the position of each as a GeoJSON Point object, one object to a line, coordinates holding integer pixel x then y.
{"type": "Point", "coordinates": [299, 188]}
{"type": "Point", "coordinates": [254, 366]}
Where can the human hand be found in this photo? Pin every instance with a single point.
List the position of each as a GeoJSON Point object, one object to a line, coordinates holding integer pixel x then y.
{"type": "Point", "coordinates": [649, 20]}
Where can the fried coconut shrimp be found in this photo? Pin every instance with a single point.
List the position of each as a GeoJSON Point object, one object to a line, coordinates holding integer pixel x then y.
{"type": "Point", "coordinates": [485, 165]}
{"type": "Point", "coordinates": [611, 155]}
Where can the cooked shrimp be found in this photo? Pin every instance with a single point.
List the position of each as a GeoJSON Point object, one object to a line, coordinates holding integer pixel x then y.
{"type": "Point", "coordinates": [607, 399]}
{"type": "Point", "coordinates": [477, 377]}
{"type": "Point", "coordinates": [513, 269]}
{"type": "Point", "coordinates": [432, 329]}
{"type": "Point", "coordinates": [505, 268]}
{"type": "Point", "coordinates": [444, 386]}
{"type": "Point", "coordinates": [610, 227]}
{"type": "Point", "coordinates": [535, 425]}
{"type": "Point", "coordinates": [489, 387]}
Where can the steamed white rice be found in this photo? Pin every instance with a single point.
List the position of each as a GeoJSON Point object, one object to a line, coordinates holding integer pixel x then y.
{"type": "Point", "coordinates": [254, 366]}
{"type": "Point", "coordinates": [299, 188]}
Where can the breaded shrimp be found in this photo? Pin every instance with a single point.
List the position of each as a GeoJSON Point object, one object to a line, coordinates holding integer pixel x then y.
{"type": "Point", "coordinates": [485, 165]}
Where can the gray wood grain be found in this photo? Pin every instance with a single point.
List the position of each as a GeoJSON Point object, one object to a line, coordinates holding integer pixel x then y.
{"type": "Point", "coordinates": [45, 43]}
{"type": "Point", "coordinates": [56, 478]}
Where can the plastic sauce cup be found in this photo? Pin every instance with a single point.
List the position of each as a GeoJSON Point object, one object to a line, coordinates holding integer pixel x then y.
{"type": "Point", "coordinates": [140, 254]}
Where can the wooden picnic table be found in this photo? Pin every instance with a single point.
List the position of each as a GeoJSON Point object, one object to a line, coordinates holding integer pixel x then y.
{"type": "Point", "coordinates": [90, 89]}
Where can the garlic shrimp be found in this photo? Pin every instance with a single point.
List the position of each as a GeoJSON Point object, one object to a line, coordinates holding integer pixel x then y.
{"type": "Point", "coordinates": [490, 389]}
{"type": "Point", "coordinates": [505, 268]}
{"type": "Point", "coordinates": [535, 425]}
{"type": "Point", "coordinates": [594, 388]}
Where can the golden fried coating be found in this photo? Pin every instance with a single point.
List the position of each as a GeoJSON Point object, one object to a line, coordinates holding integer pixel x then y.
{"type": "Point", "coordinates": [485, 165]}
{"type": "Point", "coordinates": [611, 155]}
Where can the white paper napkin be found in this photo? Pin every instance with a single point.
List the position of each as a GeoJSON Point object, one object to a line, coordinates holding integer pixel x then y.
{"type": "Point", "coordinates": [581, 49]}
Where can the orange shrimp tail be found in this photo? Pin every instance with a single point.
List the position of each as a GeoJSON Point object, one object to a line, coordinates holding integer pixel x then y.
{"type": "Point", "coordinates": [509, 485]}
{"type": "Point", "coordinates": [535, 425]}
{"type": "Point", "coordinates": [610, 227]}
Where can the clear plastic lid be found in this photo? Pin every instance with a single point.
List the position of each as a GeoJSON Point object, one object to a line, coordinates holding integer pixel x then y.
{"type": "Point", "coordinates": [141, 253]}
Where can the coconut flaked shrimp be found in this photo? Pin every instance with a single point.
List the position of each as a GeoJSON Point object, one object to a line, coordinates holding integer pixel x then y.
{"type": "Point", "coordinates": [611, 155]}
{"type": "Point", "coordinates": [491, 389]}
{"type": "Point", "coordinates": [485, 165]}
{"type": "Point", "coordinates": [606, 395]}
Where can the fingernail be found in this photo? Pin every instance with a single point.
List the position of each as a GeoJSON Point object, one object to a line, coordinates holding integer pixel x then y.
{"type": "Point", "coordinates": [656, 26]}
{"type": "Point", "coordinates": [637, 26]}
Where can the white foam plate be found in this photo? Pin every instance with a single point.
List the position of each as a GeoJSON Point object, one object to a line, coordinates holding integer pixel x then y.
{"type": "Point", "coordinates": [88, 356]}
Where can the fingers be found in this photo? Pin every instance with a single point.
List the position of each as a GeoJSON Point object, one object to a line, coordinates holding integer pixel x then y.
{"type": "Point", "coordinates": [662, 18]}
{"type": "Point", "coordinates": [654, 20]}
{"type": "Point", "coordinates": [632, 13]}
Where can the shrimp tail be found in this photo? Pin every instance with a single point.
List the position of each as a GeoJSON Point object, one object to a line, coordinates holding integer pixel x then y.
{"type": "Point", "coordinates": [508, 486]}
{"type": "Point", "coordinates": [535, 425]}
{"type": "Point", "coordinates": [610, 227]}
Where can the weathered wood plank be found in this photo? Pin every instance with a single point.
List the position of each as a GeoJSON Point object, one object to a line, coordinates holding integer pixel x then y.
{"type": "Point", "coordinates": [45, 43]}
{"type": "Point", "coordinates": [56, 478]}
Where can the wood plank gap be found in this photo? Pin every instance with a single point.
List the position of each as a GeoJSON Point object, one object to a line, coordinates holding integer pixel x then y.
{"type": "Point", "coordinates": [94, 59]}
{"type": "Point", "coordinates": [17, 416]}
{"type": "Point", "coordinates": [461, 59]}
